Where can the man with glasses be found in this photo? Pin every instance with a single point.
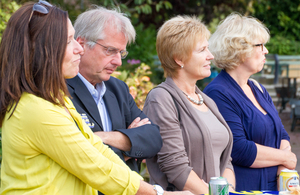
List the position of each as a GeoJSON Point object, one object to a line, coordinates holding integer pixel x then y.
{"type": "Point", "coordinates": [104, 102]}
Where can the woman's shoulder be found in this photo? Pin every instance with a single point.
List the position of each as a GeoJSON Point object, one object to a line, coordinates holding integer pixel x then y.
{"type": "Point", "coordinates": [216, 86]}
{"type": "Point", "coordinates": [33, 111]}
{"type": "Point", "coordinates": [159, 93]}
{"type": "Point", "coordinates": [36, 106]}
{"type": "Point", "coordinates": [159, 96]}
{"type": "Point", "coordinates": [30, 99]}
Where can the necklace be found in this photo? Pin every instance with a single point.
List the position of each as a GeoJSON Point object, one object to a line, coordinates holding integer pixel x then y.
{"type": "Point", "coordinates": [198, 102]}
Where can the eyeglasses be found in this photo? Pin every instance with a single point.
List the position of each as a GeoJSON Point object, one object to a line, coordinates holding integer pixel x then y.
{"type": "Point", "coordinates": [111, 51]}
{"type": "Point", "coordinates": [40, 7]}
{"type": "Point", "coordinates": [260, 45]}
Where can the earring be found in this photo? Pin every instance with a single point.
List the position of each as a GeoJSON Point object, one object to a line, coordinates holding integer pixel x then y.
{"type": "Point", "coordinates": [181, 66]}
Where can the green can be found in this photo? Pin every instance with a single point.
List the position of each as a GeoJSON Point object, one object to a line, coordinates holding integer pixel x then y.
{"type": "Point", "coordinates": [218, 186]}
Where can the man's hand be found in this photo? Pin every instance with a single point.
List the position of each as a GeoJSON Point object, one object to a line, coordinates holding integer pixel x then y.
{"type": "Point", "coordinates": [138, 122]}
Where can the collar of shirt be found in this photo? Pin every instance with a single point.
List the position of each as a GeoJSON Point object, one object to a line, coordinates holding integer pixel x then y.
{"type": "Point", "coordinates": [98, 92]}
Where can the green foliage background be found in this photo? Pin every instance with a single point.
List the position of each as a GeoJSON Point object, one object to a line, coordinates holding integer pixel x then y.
{"type": "Point", "coordinates": [6, 10]}
{"type": "Point", "coordinates": [280, 16]}
{"type": "Point", "coordinates": [282, 19]}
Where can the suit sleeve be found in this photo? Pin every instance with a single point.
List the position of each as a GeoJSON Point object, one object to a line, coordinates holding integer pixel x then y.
{"type": "Point", "coordinates": [145, 140]}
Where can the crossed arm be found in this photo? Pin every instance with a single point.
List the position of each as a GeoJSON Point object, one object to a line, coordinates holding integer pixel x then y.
{"type": "Point", "coordinates": [120, 140]}
{"type": "Point", "coordinates": [267, 156]}
{"type": "Point", "coordinates": [258, 155]}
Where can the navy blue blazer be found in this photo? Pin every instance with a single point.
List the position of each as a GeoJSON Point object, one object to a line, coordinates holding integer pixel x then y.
{"type": "Point", "coordinates": [145, 140]}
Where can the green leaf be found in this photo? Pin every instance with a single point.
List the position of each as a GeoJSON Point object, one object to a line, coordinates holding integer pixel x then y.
{"type": "Point", "coordinates": [168, 5]}
{"type": "Point", "coordinates": [138, 2]}
{"type": "Point", "coordinates": [158, 6]}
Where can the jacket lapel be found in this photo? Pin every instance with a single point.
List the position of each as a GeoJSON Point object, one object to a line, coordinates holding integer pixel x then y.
{"type": "Point", "coordinates": [86, 99]}
{"type": "Point", "coordinates": [113, 109]}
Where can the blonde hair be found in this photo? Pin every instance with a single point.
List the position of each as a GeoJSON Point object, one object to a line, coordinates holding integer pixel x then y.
{"type": "Point", "coordinates": [233, 40]}
{"type": "Point", "coordinates": [177, 38]}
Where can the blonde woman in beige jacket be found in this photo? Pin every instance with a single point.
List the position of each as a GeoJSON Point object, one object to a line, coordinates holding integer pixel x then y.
{"type": "Point", "coordinates": [197, 141]}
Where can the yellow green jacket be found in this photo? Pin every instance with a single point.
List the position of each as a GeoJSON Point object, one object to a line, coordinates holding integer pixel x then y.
{"type": "Point", "coordinates": [45, 152]}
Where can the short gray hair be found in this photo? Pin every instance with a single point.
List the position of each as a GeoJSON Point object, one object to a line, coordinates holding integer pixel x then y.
{"type": "Point", "coordinates": [232, 42]}
{"type": "Point", "coordinates": [92, 23]}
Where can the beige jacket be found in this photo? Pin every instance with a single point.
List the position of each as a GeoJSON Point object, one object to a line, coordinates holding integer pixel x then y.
{"type": "Point", "coordinates": [186, 143]}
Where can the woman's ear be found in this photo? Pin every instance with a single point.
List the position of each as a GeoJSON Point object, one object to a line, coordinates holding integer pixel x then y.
{"type": "Point", "coordinates": [179, 62]}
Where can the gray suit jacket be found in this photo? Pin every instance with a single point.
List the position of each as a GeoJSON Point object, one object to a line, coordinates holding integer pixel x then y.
{"type": "Point", "coordinates": [186, 143]}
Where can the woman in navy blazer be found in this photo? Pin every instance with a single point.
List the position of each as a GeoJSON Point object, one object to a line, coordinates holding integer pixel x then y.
{"type": "Point", "coordinates": [261, 147]}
